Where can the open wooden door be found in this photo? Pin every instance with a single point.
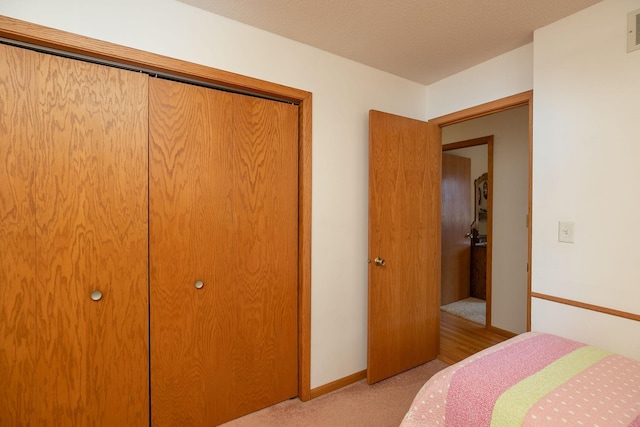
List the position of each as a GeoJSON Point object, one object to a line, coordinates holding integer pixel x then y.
{"type": "Point", "coordinates": [456, 223]}
{"type": "Point", "coordinates": [404, 244]}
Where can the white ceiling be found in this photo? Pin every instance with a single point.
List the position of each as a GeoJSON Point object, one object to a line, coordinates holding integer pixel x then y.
{"type": "Point", "coordinates": [420, 40]}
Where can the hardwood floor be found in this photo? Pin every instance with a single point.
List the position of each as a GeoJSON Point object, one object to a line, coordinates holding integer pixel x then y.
{"type": "Point", "coordinates": [460, 338]}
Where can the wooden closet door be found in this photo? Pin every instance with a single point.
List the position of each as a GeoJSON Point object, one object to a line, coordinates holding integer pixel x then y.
{"type": "Point", "coordinates": [17, 236]}
{"type": "Point", "coordinates": [92, 234]}
{"type": "Point", "coordinates": [223, 214]}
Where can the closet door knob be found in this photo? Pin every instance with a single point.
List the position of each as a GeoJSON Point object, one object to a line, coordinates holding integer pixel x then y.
{"type": "Point", "coordinates": [379, 262]}
{"type": "Point", "coordinates": [199, 284]}
{"type": "Point", "coordinates": [96, 295]}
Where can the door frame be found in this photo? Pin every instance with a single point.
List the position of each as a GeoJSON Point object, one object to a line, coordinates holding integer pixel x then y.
{"type": "Point", "coordinates": [42, 38]}
{"type": "Point", "coordinates": [488, 141]}
{"type": "Point", "coordinates": [507, 103]}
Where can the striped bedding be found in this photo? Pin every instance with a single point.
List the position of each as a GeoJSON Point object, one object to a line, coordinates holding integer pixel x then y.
{"type": "Point", "coordinates": [533, 379]}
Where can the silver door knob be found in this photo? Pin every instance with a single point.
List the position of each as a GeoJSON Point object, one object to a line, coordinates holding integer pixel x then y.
{"type": "Point", "coordinates": [96, 295]}
{"type": "Point", "coordinates": [379, 262]}
{"type": "Point", "coordinates": [199, 284]}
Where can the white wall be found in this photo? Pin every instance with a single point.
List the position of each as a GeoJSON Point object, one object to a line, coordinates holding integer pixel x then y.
{"type": "Point", "coordinates": [343, 92]}
{"type": "Point", "coordinates": [510, 206]}
{"type": "Point", "coordinates": [585, 156]}
{"type": "Point", "coordinates": [502, 76]}
{"type": "Point", "coordinates": [602, 330]}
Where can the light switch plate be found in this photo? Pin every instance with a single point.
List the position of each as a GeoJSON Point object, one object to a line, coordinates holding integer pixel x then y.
{"type": "Point", "coordinates": [566, 232]}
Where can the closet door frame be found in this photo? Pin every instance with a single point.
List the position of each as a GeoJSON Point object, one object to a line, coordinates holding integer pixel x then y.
{"type": "Point", "coordinates": [51, 39]}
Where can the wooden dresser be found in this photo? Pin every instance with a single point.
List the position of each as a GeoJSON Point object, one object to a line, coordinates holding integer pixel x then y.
{"type": "Point", "coordinates": [478, 280]}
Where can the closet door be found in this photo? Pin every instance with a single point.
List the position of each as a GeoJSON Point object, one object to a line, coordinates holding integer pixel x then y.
{"type": "Point", "coordinates": [223, 253]}
{"type": "Point", "coordinates": [75, 199]}
{"type": "Point", "coordinates": [91, 204]}
{"type": "Point", "coordinates": [92, 235]}
{"type": "Point", "coordinates": [17, 237]}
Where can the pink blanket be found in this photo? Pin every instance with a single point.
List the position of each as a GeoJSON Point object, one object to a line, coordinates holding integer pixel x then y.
{"type": "Point", "coordinates": [533, 379]}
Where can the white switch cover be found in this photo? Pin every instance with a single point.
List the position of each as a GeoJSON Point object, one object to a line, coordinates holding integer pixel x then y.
{"type": "Point", "coordinates": [566, 232]}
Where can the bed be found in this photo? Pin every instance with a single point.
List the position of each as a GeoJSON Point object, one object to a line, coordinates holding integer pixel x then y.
{"type": "Point", "coordinates": [533, 379]}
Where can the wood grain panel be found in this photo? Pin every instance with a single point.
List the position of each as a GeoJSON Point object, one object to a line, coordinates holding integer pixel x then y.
{"type": "Point", "coordinates": [456, 222]}
{"type": "Point", "coordinates": [482, 110]}
{"type": "Point", "coordinates": [404, 229]}
{"type": "Point", "coordinates": [91, 203]}
{"type": "Point", "coordinates": [17, 234]}
{"type": "Point", "coordinates": [191, 215]}
{"type": "Point", "coordinates": [304, 247]}
{"type": "Point", "coordinates": [14, 29]}
{"type": "Point", "coordinates": [264, 287]}
{"type": "Point", "coordinates": [223, 206]}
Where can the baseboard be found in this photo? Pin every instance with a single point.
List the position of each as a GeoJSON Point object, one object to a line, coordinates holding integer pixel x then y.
{"type": "Point", "coordinates": [338, 384]}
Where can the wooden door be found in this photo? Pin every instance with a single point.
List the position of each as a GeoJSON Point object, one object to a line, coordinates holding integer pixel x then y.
{"type": "Point", "coordinates": [223, 230]}
{"type": "Point", "coordinates": [17, 234]}
{"type": "Point", "coordinates": [456, 224]}
{"type": "Point", "coordinates": [92, 235]}
{"type": "Point", "coordinates": [404, 231]}
{"type": "Point", "coordinates": [85, 126]}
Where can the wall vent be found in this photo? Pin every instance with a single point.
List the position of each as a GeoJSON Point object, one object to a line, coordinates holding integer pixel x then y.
{"type": "Point", "coordinates": [633, 31]}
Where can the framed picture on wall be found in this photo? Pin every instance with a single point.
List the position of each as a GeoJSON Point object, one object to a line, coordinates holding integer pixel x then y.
{"type": "Point", "coordinates": [481, 198]}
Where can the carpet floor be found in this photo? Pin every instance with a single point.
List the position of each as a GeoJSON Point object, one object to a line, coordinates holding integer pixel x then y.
{"type": "Point", "coordinates": [473, 309]}
{"type": "Point", "coordinates": [357, 405]}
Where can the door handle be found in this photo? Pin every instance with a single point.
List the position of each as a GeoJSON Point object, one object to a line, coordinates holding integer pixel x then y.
{"type": "Point", "coordinates": [96, 295]}
{"type": "Point", "coordinates": [379, 262]}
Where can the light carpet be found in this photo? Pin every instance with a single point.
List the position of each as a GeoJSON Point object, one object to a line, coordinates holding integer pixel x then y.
{"type": "Point", "coordinates": [473, 309]}
{"type": "Point", "coordinates": [357, 405]}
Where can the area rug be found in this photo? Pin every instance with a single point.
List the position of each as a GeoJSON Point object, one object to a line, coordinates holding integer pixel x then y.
{"type": "Point", "coordinates": [473, 309]}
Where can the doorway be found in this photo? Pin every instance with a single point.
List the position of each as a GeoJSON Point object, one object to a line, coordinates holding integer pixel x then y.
{"type": "Point", "coordinates": [467, 190]}
{"type": "Point", "coordinates": [508, 301]}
